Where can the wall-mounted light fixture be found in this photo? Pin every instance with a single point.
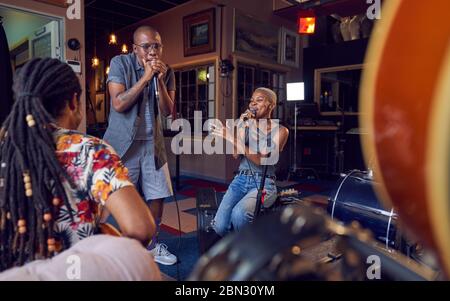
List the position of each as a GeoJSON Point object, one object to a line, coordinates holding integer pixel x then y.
{"type": "Point", "coordinates": [95, 62]}
{"type": "Point", "coordinates": [306, 25]}
{"type": "Point", "coordinates": [112, 39]}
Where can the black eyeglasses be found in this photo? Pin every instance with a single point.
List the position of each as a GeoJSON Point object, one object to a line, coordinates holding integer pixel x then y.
{"type": "Point", "coordinates": [150, 46]}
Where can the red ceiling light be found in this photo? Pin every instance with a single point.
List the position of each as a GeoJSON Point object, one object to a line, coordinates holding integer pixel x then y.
{"type": "Point", "coordinates": [306, 25]}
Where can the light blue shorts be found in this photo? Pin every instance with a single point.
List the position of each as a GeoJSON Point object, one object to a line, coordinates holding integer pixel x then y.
{"type": "Point", "coordinates": [139, 159]}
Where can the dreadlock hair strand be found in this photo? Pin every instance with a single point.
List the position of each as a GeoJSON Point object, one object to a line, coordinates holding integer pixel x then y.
{"type": "Point", "coordinates": [31, 177]}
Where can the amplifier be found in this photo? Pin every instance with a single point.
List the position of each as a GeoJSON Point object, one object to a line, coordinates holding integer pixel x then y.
{"type": "Point", "coordinates": [206, 210]}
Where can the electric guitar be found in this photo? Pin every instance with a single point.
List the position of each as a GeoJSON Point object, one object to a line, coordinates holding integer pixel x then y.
{"type": "Point", "coordinates": [405, 104]}
{"type": "Point", "coordinates": [285, 196]}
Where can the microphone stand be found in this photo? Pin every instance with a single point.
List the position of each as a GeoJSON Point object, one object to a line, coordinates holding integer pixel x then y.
{"type": "Point", "coordinates": [340, 141]}
{"type": "Point", "coordinates": [259, 196]}
{"type": "Point", "coordinates": [177, 157]}
{"type": "Point", "coordinates": [294, 167]}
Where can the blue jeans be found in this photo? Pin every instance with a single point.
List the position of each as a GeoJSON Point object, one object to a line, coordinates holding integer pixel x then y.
{"type": "Point", "coordinates": [238, 205]}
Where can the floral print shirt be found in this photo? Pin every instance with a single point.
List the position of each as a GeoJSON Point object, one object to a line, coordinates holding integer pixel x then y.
{"type": "Point", "coordinates": [96, 172]}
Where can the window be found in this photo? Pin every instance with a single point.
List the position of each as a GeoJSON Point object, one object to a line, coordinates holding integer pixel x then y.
{"type": "Point", "coordinates": [252, 77]}
{"type": "Point", "coordinates": [196, 91]}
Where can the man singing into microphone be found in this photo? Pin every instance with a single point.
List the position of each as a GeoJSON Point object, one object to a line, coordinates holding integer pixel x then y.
{"type": "Point", "coordinates": [239, 202]}
{"type": "Point", "coordinates": [135, 128]}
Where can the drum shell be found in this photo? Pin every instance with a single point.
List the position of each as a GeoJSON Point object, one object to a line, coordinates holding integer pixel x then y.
{"type": "Point", "coordinates": [354, 199]}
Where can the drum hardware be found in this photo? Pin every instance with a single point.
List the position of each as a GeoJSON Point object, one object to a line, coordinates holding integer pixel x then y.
{"type": "Point", "coordinates": [394, 265]}
{"type": "Point", "coordinates": [355, 199]}
{"type": "Point", "coordinates": [334, 256]}
{"type": "Point", "coordinates": [331, 257]}
{"type": "Point", "coordinates": [388, 228]}
{"type": "Point", "coordinates": [256, 249]}
{"type": "Point", "coordinates": [271, 249]}
{"type": "Point", "coordinates": [345, 176]}
{"type": "Point", "coordinates": [339, 153]}
{"type": "Point", "coordinates": [340, 141]}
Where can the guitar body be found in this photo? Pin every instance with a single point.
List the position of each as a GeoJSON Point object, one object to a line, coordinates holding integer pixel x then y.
{"type": "Point", "coordinates": [405, 103]}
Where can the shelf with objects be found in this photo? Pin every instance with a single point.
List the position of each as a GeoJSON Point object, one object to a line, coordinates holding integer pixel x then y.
{"type": "Point", "coordinates": [327, 128]}
{"type": "Point", "coordinates": [336, 89]}
{"type": "Point", "coordinates": [329, 141]}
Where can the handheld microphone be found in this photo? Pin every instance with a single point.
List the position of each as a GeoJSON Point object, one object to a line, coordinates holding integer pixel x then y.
{"type": "Point", "coordinates": [247, 114]}
{"type": "Point", "coordinates": [155, 83]}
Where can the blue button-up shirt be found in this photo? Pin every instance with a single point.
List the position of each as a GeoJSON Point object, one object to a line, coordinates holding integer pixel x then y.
{"type": "Point", "coordinates": [123, 127]}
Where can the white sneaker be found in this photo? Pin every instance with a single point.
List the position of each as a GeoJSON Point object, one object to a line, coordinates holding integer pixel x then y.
{"type": "Point", "coordinates": [162, 255]}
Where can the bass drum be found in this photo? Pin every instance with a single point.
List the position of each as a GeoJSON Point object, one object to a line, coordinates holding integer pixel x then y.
{"type": "Point", "coordinates": [354, 199]}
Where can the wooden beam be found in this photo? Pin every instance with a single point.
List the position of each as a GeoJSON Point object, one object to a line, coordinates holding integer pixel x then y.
{"type": "Point", "coordinates": [169, 2]}
{"type": "Point", "coordinates": [90, 3]}
{"type": "Point", "coordinates": [106, 21]}
{"type": "Point", "coordinates": [115, 13]}
{"type": "Point", "coordinates": [136, 6]}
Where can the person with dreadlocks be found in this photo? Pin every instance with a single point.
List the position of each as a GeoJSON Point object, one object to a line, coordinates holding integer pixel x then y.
{"type": "Point", "coordinates": [54, 181]}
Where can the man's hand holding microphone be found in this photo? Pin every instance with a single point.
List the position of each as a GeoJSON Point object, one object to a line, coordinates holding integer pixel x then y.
{"type": "Point", "coordinates": [154, 67]}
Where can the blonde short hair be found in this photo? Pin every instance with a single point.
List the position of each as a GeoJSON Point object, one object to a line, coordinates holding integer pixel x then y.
{"type": "Point", "coordinates": [272, 96]}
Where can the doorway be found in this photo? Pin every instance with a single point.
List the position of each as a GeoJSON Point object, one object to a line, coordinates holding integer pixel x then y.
{"type": "Point", "coordinates": [31, 35]}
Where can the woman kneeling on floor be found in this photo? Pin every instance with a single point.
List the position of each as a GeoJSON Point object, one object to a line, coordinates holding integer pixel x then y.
{"type": "Point", "coordinates": [54, 181]}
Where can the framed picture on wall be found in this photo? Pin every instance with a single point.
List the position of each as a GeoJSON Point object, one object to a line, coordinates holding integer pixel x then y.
{"type": "Point", "coordinates": [255, 38]}
{"type": "Point", "coordinates": [199, 32]}
{"type": "Point", "coordinates": [290, 48]}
